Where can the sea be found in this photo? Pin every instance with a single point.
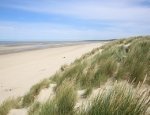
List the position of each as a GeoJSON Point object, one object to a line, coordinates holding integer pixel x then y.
{"type": "Point", "coordinates": [7, 47]}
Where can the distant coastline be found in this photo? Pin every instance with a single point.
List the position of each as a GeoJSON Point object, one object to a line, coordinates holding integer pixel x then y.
{"type": "Point", "coordinates": [9, 47]}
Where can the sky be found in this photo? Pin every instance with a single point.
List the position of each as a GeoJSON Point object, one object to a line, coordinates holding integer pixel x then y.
{"type": "Point", "coordinates": [73, 20]}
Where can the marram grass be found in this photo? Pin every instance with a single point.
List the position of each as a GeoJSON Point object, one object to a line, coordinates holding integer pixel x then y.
{"type": "Point", "coordinates": [34, 91]}
{"type": "Point", "coordinates": [7, 105]}
{"type": "Point", "coordinates": [63, 103]}
{"type": "Point", "coordinates": [34, 109]}
{"type": "Point", "coordinates": [120, 99]}
{"type": "Point", "coordinates": [127, 59]}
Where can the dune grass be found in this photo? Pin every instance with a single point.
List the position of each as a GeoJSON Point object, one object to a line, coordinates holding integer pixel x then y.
{"type": "Point", "coordinates": [7, 105]}
{"type": "Point", "coordinates": [34, 109]}
{"type": "Point", "coordinates": [121, 60]}
{"type": "Point", "coordinates": [136, 64]}
{"type": "Point", "coordinates": [121, 99]}
{"type": "Point", "coordinates": [24, 101]}
{"type": "Point", "coordinates": [63, 103]}
{"type": "Point", "coordinates": [34, 91]}
{"type": "Point", "coordinates": [127, 59]}
{"type": "Point", "coordinates": [49, 108]}
{"type": "Point", "coordinates": [66, 98]}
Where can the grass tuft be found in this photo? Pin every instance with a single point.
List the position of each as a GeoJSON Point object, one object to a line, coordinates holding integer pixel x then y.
{"type": "Point", "coordinates": [34, 91]}
{"type": "Point", "coordinates": [121, 99]}
{"type": "Point", "coordinates": [64, 102]}
{"type": "Point", "coordinates": [7, 105]}
{"type": "Point", "coordinates": [34, 109]}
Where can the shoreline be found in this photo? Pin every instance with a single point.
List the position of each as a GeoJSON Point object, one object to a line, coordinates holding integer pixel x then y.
{"type": "Point", "coordinates": [10, 48]}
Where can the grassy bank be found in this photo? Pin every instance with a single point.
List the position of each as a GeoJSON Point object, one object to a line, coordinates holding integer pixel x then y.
{"type": "Point", "coordinates": [123, 59]}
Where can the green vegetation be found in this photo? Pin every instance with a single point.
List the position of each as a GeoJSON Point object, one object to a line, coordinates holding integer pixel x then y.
{"type": "Point", "coordinates": [87, 92]}
{"type": "Point", "coordinates": [7, 105]}
{"type": "Point", "coordinates": [121, 60]}
{"type": "Point", "coordinates": [120, 99]}
{"type": "Point", "coordinates": [34, 91]}
{"type": "Point", "coordinates": [136, 64]}
{"type": "Point", "coordinates": [64, 102]}
{"type": "Point", "coordinates": [34, 108]}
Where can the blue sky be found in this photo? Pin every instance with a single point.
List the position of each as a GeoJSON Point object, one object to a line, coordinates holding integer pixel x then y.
{"type": "Point", "coordinates": [52, 20]}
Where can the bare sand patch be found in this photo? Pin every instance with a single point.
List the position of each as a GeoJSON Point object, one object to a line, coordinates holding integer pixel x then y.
{"type": "Point", "coordinates": [18, 112]}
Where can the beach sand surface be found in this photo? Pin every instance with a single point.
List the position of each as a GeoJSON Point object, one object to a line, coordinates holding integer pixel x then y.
{"type": "Point", "coordinates": [20, 71]}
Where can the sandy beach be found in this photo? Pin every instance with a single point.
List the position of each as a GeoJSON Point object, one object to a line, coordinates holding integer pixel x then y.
{"type": "Point", "coordinates": [19, 71]}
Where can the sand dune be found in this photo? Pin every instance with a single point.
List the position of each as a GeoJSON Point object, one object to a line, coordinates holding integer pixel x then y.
{"type": "Point", "coordinates": [19, 71]}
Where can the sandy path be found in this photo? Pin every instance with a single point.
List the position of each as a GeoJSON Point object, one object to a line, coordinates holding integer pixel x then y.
{"type": "Point", "coordinates": [19, 71]}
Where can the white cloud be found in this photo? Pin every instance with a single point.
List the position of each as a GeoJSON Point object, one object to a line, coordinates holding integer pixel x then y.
{"type": "Point", "coordinates": [117, 10]}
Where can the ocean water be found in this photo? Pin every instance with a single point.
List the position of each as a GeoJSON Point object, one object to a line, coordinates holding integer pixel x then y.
{"type": "Point", "coordinates": [7, 47]}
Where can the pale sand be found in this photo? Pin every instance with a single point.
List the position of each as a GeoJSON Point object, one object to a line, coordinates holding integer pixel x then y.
{"type": "Point", "coordinates": [46, 94]}
{"type": "Point", "coordinates": [19, 71]}
{"type": "Point", "coordinates": [23, 111]}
